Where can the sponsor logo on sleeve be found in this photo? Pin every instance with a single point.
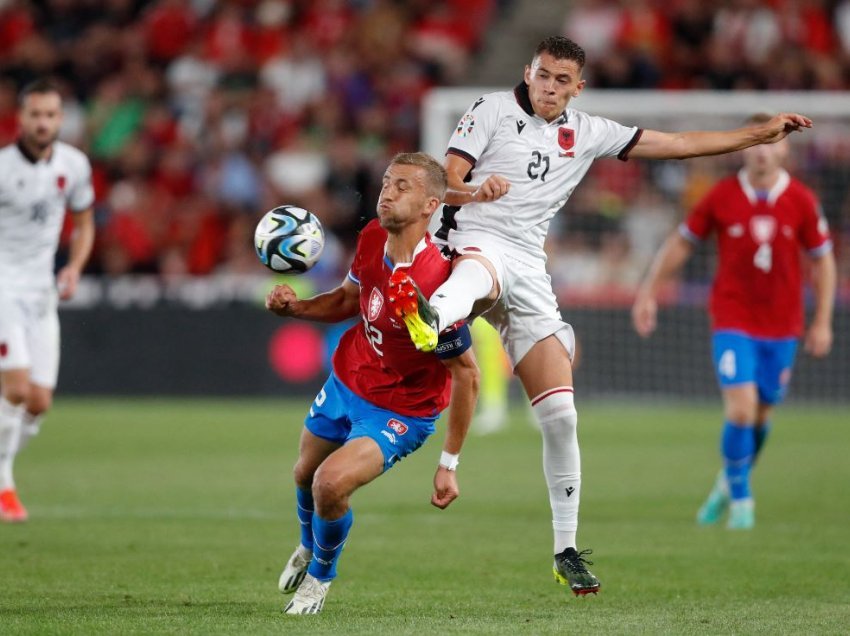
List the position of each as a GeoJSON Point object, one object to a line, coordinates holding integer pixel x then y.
{"type": "Point", "coordinates": [466, 124]}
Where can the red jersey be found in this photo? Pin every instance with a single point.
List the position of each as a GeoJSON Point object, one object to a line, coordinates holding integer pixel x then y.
{"type": "Point", "coordinates": [376, 358]}
{"type": "Point", "coordinates": [758, 286]}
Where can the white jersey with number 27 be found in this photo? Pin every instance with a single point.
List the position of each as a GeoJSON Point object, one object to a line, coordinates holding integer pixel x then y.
{"type": "Point", "coordinates": [33, 198]}
{"type": "Point", "coordinates": [543, 161]}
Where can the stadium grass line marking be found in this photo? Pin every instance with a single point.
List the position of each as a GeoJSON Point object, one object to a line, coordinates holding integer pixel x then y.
{"type": "Point", "coordinates": [82, 512]}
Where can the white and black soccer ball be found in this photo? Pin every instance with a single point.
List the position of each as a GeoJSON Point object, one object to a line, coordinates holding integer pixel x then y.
{"type": "Point", "coordinates": [289, 240]}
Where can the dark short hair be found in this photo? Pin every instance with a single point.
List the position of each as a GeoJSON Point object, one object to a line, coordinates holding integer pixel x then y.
{"type": "Point", "coordinates": [39, 87]}
{"type": "Point", "coordinates": [561, 48]}
{"type": "Point", "coordinates": [436, 180]}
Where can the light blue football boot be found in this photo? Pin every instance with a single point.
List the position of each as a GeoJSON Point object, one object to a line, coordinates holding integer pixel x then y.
{"type": "Point", "coordinates": [716, 503]}
{"type": "Point", "coordinates": [742, 515]}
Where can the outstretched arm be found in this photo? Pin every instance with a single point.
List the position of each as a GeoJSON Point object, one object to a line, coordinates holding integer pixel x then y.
{"type": "Point", "coordinates": [336, 305]}
{"type": "Point", "coordinates": [661, 145]}
{"type": "Point", "coordinates": [465, 381]}
{"type": "Point", "coordinates": [673, 254]}
{"type": "Point", "coordinates": [818, 340]}
{"type": "Point", "coordinates": [459, 193]}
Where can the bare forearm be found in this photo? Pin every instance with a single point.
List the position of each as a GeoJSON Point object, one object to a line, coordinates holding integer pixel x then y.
{"type": "Point", "coordinates": [459, 195]}
{"type": "Point", "coordinates": [654, 144]}
{"type": "Point", "coordinates": [82, 241]}
{"type": "Point", "coordinates": [461, 408]}
{"type": "Point", "coordinates": [333, 306]}
{"type": "Point", "coordinates": [673, 255]}
{"type": "Point", "coordinates": [824, 282]}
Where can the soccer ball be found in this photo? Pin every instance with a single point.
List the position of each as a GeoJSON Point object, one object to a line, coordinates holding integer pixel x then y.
{"type": "Point", "coordinates": [289, 240]}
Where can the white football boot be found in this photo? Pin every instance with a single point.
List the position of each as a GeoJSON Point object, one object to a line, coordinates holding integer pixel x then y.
{"type": "Point", "coordinates": [309, 597]}
{"type": "Point", "coordinates": [295, 569]}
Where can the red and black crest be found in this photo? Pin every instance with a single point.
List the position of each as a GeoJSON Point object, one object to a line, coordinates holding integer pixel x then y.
{"type": "Point", "coordinates": [566, 140]}
{"type": "Point", "coordinates": [4, 349]}
{"type": "Point", "coordinates": [60, 182]}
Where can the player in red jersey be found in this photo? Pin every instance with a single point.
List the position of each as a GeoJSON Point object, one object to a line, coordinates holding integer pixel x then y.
{"type": "Point", "coordinates": [383, 396]}
{"type": "Point", "coordinates": [762, 218]}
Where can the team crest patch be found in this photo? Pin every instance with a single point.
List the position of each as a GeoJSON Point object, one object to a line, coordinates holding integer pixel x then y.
{"type": "Point", "coordinates": [399, 427]}
{"type": "Point", "coordinates": [466, 124]}
{"type": "Point", "coordinates": [4, 349]}
{"type": "Point", "coordinates": [763, 228]}
{"type": "Point", "coordinates": [60, 182]}
{"type": "Point", "coordinates": [376, 302]}
{"type": "Point", "coordinates": [566, 140]}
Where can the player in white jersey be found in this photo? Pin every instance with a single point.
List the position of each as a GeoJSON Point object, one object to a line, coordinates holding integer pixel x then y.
{"type": "Point", "coordinates": [40, 178]}
{"type": "Point", "coordinates": [513, 161]}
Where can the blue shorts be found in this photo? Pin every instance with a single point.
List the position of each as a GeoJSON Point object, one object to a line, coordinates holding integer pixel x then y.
{"type": "Point", "coordinates": [742, 359]}
{"type": "Point", "coordinates": [339, 415]}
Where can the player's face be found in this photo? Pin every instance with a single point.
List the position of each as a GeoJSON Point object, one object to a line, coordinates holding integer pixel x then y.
{"type": "Point", "coordinates": [551, 84]}
{"type": "Point", "coordinates": [40, 117]}
{"type": "Point", "coordinates": [404, 199]}
{"type": "Point", "coordinates": [765, 159]}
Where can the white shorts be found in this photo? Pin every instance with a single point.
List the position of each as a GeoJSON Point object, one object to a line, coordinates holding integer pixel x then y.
{"type": "Point", "coordinates": [527, 310]}
{"type": "Point", "coordinates": [29, 335]}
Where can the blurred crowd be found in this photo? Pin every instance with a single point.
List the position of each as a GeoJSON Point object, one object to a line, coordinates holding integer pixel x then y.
{"type": "Point", "coordinates": [621, 212]}
{"type": "Point", "coordinates": [733, 44]}
{"type": "Point", "coordinates": [199, 115]}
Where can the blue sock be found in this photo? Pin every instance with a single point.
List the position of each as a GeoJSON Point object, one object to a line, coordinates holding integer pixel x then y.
{"type": "Point", "coordinates": [737, 447]}
{"type": "Point", "coordinates": [328, 540]}
{"type": "Point", "coordinates": [761, 433]}
{"type": "Point", "coordinates": [306, 508]}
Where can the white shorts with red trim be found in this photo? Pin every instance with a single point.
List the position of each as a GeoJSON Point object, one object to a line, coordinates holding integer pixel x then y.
{"type": "Point", "coordinates": [527, 309]}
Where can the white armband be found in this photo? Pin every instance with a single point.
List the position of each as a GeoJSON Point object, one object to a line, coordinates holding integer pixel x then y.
{"type": "Point", "coordinates": [449, 461]}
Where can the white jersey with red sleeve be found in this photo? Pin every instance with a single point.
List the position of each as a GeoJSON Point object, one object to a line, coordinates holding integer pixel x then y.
{"type": "Point", "coordinates": [758, 285]}
{"type": "Point", "coordinates": [543, 161]}
{"type": "Point", "coordinates": [34, 195]}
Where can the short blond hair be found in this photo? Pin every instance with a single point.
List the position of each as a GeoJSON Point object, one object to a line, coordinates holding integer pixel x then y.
{"type": "Point", "coordinates": [436, 179]}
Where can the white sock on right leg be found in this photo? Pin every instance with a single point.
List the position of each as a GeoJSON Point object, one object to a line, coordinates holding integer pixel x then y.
{"type": "Point", "coordinates": [10, 426]}
{"type": "Point", "coordinates": [556, 413]}
{"type": "Point", "coordinates": [469, 281]}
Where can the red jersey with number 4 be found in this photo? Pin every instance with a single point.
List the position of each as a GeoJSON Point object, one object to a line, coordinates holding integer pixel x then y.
{"type": "Point", "coordinates": [758, 286]}
{"type": "Point", "coordinates": [376, 359]}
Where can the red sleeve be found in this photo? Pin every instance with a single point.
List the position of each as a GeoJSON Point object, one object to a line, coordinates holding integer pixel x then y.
{"type": "Point", "coordinates": [814, 231]}
{"type": "Point", "coordinates": [368, 236]}
{"type": "Point", "coordinates": [700, 221]}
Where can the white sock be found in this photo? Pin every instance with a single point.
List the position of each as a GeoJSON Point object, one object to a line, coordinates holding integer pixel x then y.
{"type": "Point", "coordinates": [10, 426]}
{"type": "Point", "coordinates": [30, 427]}
{"type": "Point", "coordinates": [453, 300]}
{"type": "Point", "coordinates": [556, 414]}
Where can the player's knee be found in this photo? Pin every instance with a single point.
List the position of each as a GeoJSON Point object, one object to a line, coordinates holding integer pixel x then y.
{"type": "Point", "coordinates": [741, 412]}
{"type": "Point", "coordinates": [303, 475]}
{"type": "Point", "coordinates": [329, 491]}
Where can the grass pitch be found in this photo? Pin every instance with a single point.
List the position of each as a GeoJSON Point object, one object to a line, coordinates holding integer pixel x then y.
{"type": "Point", "coordinates": [176, 516]}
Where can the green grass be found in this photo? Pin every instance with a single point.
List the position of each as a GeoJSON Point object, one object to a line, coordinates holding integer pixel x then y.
{"type": "Point", "coordinates": [176, 516]}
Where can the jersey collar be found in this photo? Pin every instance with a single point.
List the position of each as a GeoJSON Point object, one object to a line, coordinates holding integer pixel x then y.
{"type": "Point", "coordinates": [524, 101]}
{"type": "Point", "coordinates": [420, 246]}
{"type": "Point", "coordinates": [773, 194]}
{"type": "Point", "coordinates": [26, 154]}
